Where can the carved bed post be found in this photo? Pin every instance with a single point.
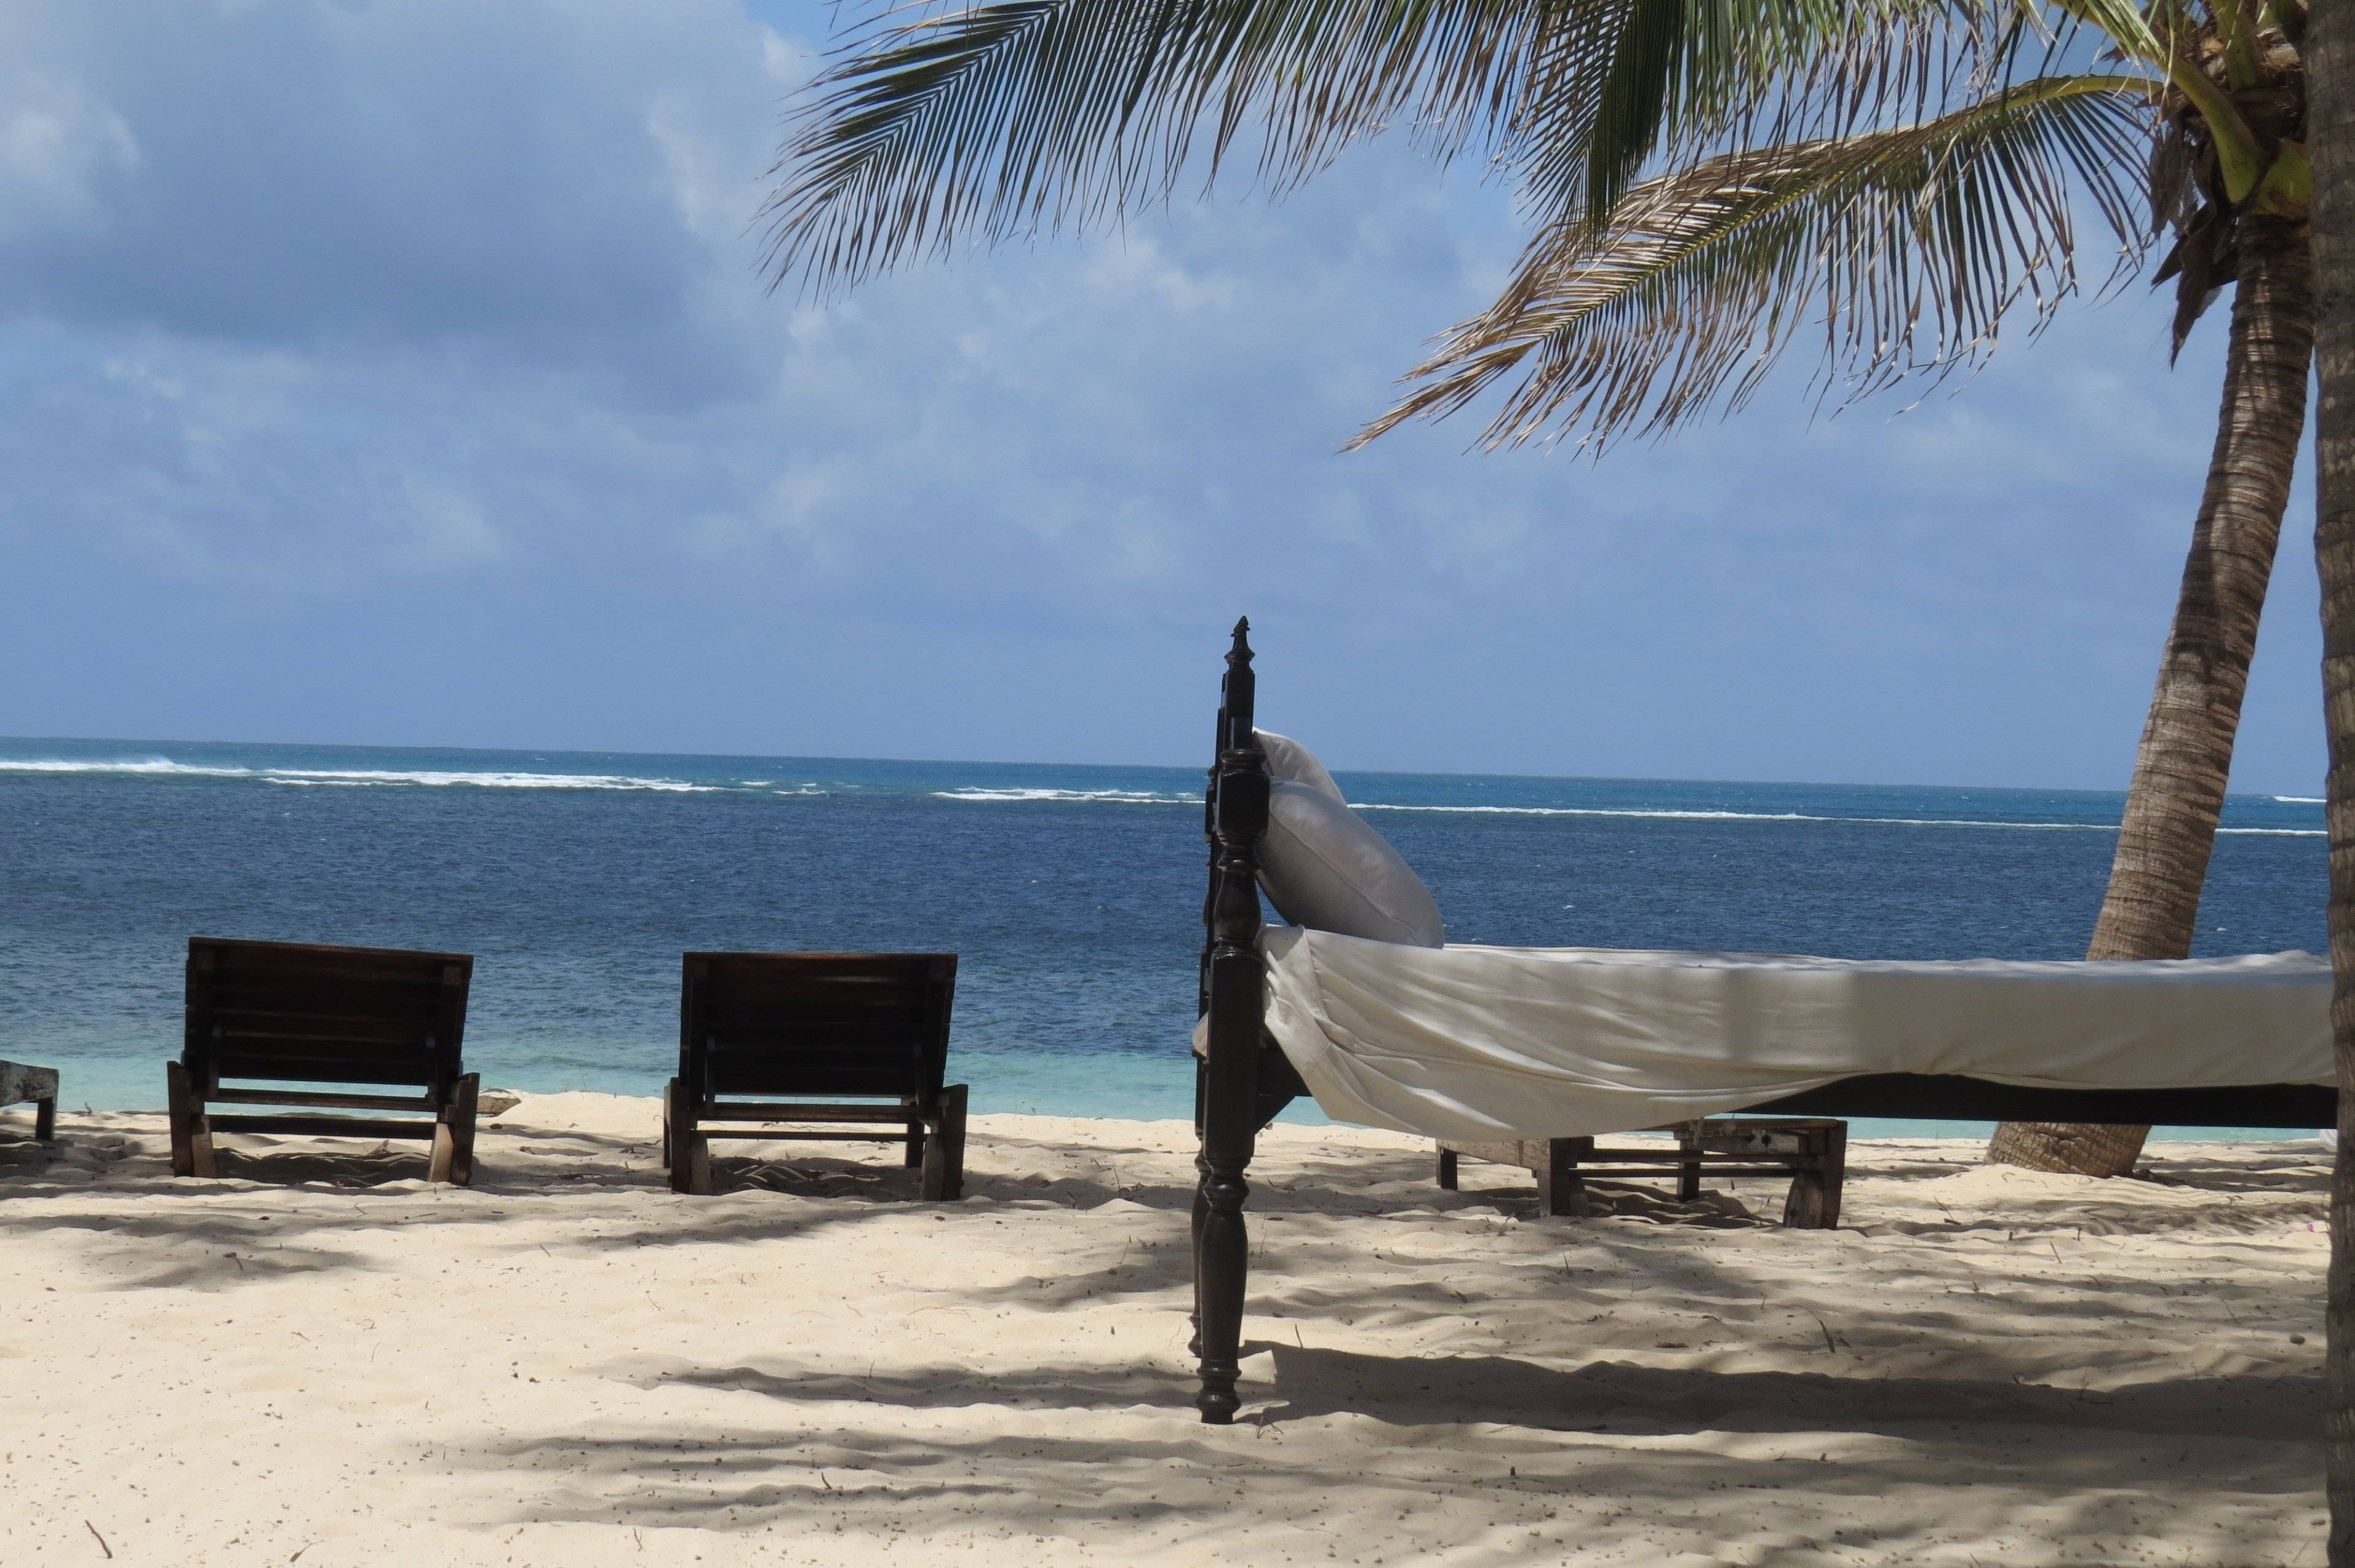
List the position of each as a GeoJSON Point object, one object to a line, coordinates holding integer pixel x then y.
{"type": "Point", "coordinates": [1228, 1109]}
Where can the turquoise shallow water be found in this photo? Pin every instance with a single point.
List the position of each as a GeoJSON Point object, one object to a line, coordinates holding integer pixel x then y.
{"type": "Point", "coordinates": [1073, 894]}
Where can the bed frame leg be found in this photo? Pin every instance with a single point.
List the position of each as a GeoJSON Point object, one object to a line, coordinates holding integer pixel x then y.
{"type": "Point", "coordinates": [1814, 1203]}
{"type": "Point", "coordinates": [1689, 1168]}
{"type": "Point", "coordinates": [1561, 1191]}
{"type": "Point", "coordinates": [1222, 1263]}
{"type": "Point", "coordinates": [1446, 1169]}
{"type": "Point", "coordinates": [1234, 1008]}
{"type": "Point", "coordinates": [1201, 1211]}
{"type": "Point", "coordinates": [44, 1120]}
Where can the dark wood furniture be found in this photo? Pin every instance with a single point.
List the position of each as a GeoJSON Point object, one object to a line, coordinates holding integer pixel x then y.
{"type": "Point", "coordinates": [20, 1083]}
{"type": "Point", "coordinates": [847, 1040]}
{"type": "Point", "coordinates": [283, 1012]}
{"type": "Point", "coordinates": [1811, 1150]}
{"type": "Point", "coordinates": [1243, 1080]}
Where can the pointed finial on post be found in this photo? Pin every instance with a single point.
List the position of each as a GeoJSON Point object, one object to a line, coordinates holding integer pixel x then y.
{"type": "Point", "coordinates": [1235, 692]}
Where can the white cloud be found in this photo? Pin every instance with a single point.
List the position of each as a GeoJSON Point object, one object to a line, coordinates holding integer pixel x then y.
{"type": "Point", "coordinates": [60, 151]}
{"type": "Point", "coordinates": [445, 529]}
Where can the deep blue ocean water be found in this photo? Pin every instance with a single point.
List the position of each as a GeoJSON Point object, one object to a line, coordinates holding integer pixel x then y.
{"type": "Point", "coordinates": [1073, 894]}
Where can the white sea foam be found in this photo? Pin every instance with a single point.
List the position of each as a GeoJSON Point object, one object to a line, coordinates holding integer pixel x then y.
{"type": "Point", "coordinates": [1674, 816]}
{"type": "Point", "coordinates": [424, 777]}
{"type": "Point", "coordinates": [1667, 814]}
{"type": "Point", "coordinates": [144, 765]}
{"type": "Point", "coordinates": [1606, 811]}
{"type": "Point", "coordinates": [2299, 799]}
{"type": "Point", "coordinates": [1648, 813]}
{"type": "Point", "coordinates": [1122, 796]}
{"type": "Point", "coordinates": [435, 779]}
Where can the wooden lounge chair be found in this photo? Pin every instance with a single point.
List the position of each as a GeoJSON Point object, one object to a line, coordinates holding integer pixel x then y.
{"type": "Point", "coordinates": [290, 1013]}
{"type": "Point", "coordinates": [836, 1039]}
{"type": "Point", "coordinates": [19, 1084]}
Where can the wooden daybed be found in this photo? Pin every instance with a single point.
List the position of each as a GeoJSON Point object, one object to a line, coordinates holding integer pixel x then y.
{"type": "Point", "coordinates": [1243, 1078]}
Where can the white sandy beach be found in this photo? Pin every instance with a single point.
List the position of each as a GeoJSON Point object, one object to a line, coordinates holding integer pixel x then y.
{"type": "Point", "coordinates": [567, 1365]}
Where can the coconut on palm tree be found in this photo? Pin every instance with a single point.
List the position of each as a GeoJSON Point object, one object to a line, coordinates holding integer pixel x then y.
{"type": "Point", "coordinates": [1706, 184]}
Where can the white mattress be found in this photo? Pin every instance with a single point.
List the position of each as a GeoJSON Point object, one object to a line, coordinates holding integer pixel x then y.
{"type": "Point", "coordinates": [1473, 1043]}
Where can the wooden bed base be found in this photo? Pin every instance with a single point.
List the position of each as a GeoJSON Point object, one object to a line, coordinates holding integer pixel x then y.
{"type": "Point", "coordinates": [1241, 1080]}
{"type": "Point", "coordinates": [1810, 1150]}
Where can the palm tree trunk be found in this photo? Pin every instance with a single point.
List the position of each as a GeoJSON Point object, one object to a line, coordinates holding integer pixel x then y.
{"type": "Point", "coordinates": [2334, 553]}
{"type": "Point", "coordinates": [2153, 905]}
{"type": "Point", "coordinates": [2330, 55]}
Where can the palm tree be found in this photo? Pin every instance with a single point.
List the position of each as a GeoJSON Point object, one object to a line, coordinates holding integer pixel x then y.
{"type": "Point", "coordinates": [1703, 181]}
{"type": "Point", "coordinates": [2333, 60]}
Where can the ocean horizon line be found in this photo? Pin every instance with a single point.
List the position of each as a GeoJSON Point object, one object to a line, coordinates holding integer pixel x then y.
{"type": "Point", "coordinates": [553, 753]}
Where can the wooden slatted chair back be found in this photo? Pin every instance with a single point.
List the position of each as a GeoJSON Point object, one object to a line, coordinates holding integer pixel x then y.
{"type": "Point", "coordinates": [293, 1012]}
{"type": "Point", "coordinates": [858, 1024]}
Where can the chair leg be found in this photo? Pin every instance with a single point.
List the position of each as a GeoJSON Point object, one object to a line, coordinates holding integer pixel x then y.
{"type": "Point", "coordinates": [177, 1115]}
{"type": "Point", "coordinates": [460, 1119]}
{"type": "Point", "coordinates": [933, 1178]}
{"type": "Point", "coordinates": [943, 1160]}
{"type": "Point", "coordinates": [1448, 1162]}
{"type": "Point", "coordinates": [686, 1150]}
{"type": "Point", "coordinates": [192, 1140]}
{"type": "Point", "coordinates": [912, 1154]}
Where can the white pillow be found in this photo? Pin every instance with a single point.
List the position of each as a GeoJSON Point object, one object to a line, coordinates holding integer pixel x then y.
{"type": "Point", "coordinates": [1323, 867]}
{"type": "Point", "coordinates": [1287, 759]}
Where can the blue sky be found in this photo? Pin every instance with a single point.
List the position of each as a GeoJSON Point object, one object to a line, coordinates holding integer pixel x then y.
{"type": "Point", "coordinates": [403, 373]}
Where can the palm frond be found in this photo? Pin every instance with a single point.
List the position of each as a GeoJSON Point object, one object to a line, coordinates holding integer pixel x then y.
{"type": "Point", "coordinates": [1679, 80]}
{"type": "Point", "coordinates": [1024, 116]}
{"type": "Point", "coordinates": [1020, 117]}
{"type": "Point", "coordinates": [1910, 244]}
